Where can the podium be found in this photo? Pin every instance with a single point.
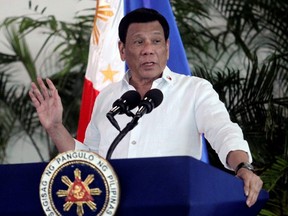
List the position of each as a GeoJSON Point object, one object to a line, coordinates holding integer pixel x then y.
{"type": "Point", "coordinates": [176, 186]}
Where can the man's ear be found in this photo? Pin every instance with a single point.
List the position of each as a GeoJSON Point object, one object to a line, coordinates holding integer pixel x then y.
{"type": "Point", "coordinates": [121, 48]}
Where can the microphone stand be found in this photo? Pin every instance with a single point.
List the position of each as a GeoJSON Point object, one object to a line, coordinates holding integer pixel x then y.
{"type": "Point", "coordinates": [113, 120]}
{"type": "Point", "coordinates": [133, 123]}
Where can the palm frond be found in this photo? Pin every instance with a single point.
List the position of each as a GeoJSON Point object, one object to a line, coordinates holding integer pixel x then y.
{"type": "Point", "coordinates": [17, 112]}
{"type": "Point", "coordinates": [277, 172]}
{"type": "Point", "coordinates": [20, 48]}
{"type": "Point", "coordinates": [275, 180]}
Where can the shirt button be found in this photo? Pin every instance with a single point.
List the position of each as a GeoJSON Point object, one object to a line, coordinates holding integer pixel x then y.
{"type": "Point", "coordinates": [133, 142]}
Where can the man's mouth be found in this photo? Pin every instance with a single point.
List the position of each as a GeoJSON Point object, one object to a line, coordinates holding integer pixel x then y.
{"type": "Point", "coordinates": [148, 63]}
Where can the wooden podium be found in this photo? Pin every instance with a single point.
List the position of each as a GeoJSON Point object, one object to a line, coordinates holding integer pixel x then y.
{"type": "Point", "coordinates": [168, 186]}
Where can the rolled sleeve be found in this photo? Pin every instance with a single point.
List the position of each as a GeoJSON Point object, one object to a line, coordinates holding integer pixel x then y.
{"type": "Point", "coordinates": [214, 121]}
{"type": "Point", "coordinates": [223, 153]}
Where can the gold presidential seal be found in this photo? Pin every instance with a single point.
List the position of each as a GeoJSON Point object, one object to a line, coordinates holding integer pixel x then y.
{"type": "Point", "coordinates": [79, 183]}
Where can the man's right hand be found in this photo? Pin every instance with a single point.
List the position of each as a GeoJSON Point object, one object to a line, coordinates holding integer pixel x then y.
{"type": "Point", "coordinates": [47, 103]}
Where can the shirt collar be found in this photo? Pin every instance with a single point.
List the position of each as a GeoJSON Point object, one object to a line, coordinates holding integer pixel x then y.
{"type": "Point", "coordinates": [167, 76]}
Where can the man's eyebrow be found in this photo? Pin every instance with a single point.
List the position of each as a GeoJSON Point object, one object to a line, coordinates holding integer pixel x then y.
{"type": "Point", "coordinates": [154, 33]}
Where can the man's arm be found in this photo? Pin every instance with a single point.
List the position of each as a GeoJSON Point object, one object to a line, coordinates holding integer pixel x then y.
{"type": "Point", "coordinates": [49, 109]}
{"type": "Point", "coordinates": [252, 182]}
{"type": "Point", "coordinates": [62, 138]}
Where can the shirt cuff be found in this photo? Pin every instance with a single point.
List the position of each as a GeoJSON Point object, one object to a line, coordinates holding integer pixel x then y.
{"type": "Point", "coordinates": [224, 153]}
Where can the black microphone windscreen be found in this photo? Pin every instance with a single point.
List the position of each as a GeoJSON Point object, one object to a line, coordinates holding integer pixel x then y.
{"type": "Point", "coordinates": [155, 95]}
{"type": "Point", "coordinates": [131, 98]}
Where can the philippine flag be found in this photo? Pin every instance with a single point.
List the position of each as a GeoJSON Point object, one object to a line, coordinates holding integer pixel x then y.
{"type": "Point", "coordinates": [104, 63]}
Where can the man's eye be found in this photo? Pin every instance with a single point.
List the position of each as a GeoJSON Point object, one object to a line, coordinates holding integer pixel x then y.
{"type": "Point", "coordinates": [156, 41]}
{"type": "Point", "coordinates": [138, 42]}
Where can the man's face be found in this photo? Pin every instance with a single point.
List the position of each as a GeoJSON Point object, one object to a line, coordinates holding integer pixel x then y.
{"type": "Point", "coordinates": [146, 52]}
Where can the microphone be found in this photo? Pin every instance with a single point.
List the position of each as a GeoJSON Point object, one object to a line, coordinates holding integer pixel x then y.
{"type": "Point", "coordinates": [151, 100]}
{"type": "Point", "coordinates": [128, 101]}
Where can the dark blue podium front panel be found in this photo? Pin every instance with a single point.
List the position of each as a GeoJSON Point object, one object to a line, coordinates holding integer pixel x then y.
{"type": "Point", "coordinates": [176, 186]}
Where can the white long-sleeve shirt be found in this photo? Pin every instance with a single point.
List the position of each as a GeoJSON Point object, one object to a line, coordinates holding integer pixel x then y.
{"type": "Point", "coordinates": [189, 108]}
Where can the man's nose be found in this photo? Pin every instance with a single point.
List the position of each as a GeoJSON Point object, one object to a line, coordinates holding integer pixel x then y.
{"type": "Point", "coordinates": [148, 48]}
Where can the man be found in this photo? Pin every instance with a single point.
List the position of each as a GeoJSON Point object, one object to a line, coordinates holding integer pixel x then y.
{"type": "Point", "coordinates": [190, 107]}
